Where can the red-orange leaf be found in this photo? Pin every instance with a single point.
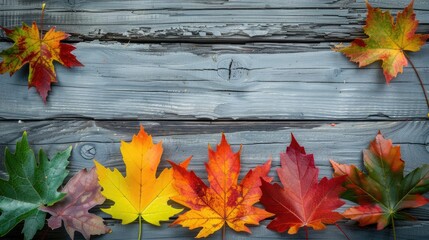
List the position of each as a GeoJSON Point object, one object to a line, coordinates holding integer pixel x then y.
{"type": "Point", "coordinates": [383, 191]}
{"type": "Point", "coordinates": [39, 53]}
{"type": "Point", "coordinates": [302, 201]}
{"type": "Point", "coordinates": [83, 193]}
{"type": "Point", "coordinates": [225, 201]}
{"type": "Point", "coordinates": [386, 40]}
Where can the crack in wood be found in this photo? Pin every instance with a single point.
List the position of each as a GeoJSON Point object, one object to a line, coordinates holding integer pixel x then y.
{"type": "Point", "coordinates": [230, 69]}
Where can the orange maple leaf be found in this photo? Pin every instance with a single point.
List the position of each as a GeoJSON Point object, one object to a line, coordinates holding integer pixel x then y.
{"type": "Point", "coordinates": [225, 201]}
{"type": "Point", "coordinates": [39, 53]}
{"type": "Point", "coordinates": [387, 41]}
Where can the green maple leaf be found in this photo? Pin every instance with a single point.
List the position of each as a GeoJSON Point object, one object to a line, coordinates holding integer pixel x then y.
{"type": "Point", "coordinates": [383, 191]}
{"type": "Point", "coordinates": [31, 184]}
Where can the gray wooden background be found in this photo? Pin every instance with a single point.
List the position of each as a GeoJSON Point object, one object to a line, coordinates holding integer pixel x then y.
{"type": "Point", "coordinates": [190, 69]}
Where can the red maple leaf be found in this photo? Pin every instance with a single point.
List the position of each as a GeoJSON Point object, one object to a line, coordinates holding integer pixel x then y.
{"type": "Point", "coordinates": [302, 201]}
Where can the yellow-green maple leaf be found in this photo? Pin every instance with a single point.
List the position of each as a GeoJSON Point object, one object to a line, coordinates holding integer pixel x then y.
{"type": "Point", "coordinates": [387, 41]}
{"type": "Point", "coordinates": [139, 194]}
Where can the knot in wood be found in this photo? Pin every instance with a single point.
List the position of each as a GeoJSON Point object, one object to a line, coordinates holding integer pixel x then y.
{"type": "Point", "coordinates": [231, 69]}
{"type": "Point", "coordinates": [88, 151]}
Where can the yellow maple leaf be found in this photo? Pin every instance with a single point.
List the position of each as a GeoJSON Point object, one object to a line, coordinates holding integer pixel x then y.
{"type": "Point", "coordinates": [139, 194]}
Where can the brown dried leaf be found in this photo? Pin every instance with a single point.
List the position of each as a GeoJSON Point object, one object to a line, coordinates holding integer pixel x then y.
{"type": "Point", "coordinates": [83, 193]}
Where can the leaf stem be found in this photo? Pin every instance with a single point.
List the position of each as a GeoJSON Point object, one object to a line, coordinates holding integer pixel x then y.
{"type": "Point", "coordinates": [223, 231]}
{"type": "Point", "coordinates": [41, 20]}
{"type": "Point", "coordinates": [420, 80]}
{"type": "Point", "coordinates": [341, 230]}
{"type": "Point", "coordinates": [393, 226]}
{"type": "Point", "coordinates": [140, 228]}
{"type": "Point", "coordinates": [306, 232]}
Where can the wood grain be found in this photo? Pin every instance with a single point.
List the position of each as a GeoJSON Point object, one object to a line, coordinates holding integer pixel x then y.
{"type": "Point", "coordinates": [343, 142]}
{"type": "Point", "coordinates": [206, 20]}
{"type": "Point", "coordinates": [93, 5]}
{"type": "Point", "coordinates": [189, 81]}
{"type": "Point", "coordinates": [190, 69]}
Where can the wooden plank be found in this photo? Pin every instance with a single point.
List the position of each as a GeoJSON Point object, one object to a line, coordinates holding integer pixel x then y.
{"type": "Point", "coordinates": [343, 142]}
{"type": "Point", "coordinates": [98, 5]}
{"type": "Point", "coordinates": [192, 81]}
{"type": "Point", "coordinates": [190, 20]}
{"type": "Point", "coordinates": [404, 230]}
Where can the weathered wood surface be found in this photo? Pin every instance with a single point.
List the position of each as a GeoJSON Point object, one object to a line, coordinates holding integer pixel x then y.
{"type": "Point", "coordinates": [205, 20]}
{"type": "Point", "coordinates": [260, 140]}
{"type": "Point", "coordinates": [343, 141]}
{"type": "Point", "coordinates": [187, 81]}
{"type": "Point", "coordinates": [190, 69]}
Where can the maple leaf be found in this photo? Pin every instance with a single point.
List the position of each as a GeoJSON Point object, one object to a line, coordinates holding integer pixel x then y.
{"type": "Point", "coordinates": [302, 201]}
{"type": "Point", "coordinates": [140, 194]}
{"type": "Point", "coordinates": [83, 193]}
{"type": "Point", "coordinates": [225, 201]}
{"type": "Point", "coordinates": [31, 185]}
{"type": "Point", "coordinates": [39, 53]}
{"type": "Point", "coordinates": [386, 40]}
{"type": "Point", "coordinates": [384, 191]}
